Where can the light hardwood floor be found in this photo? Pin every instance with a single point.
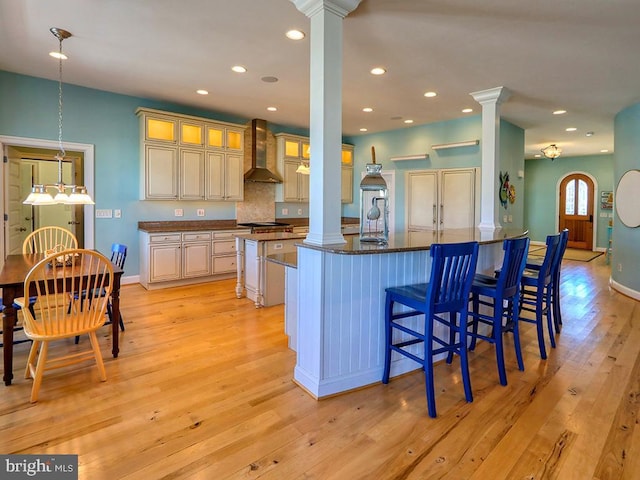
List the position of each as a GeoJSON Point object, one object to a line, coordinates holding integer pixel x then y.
{"type": "Point", "coordinates": [203, 390]}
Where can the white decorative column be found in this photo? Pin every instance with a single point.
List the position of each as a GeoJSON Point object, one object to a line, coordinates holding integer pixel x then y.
{"type": "Point", "coordinates": [489, 201]}
{"type": "Point", "coordinates": [326, 116]}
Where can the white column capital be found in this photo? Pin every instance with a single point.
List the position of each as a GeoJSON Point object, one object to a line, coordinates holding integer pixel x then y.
{"type": "Point", "coordinates": [495, 95]}
{"type": "Point", "coordinates": [338, 7]}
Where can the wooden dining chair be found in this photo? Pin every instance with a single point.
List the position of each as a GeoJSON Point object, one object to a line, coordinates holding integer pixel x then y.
{"type": "Point", "coordinates": [444, 300]}
{"type": "Point", "coordinates": [49, 238]}
{"type": "Point", "coordinates": [501, 294]}
{"type": "Point", "coordinates": [118, 256]}
{"type": "Point", "coordinates": [82, 271]}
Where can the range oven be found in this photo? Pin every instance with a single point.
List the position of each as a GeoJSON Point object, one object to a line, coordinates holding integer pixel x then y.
{"type": "Point", "coordinates": [267, 227]}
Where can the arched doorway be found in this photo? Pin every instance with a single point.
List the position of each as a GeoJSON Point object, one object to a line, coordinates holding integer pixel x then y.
{"type": "Point", "coordinates": [576, 210]}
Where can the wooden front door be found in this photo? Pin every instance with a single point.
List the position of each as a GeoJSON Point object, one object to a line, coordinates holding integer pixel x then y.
{"type": "Point", "coordinates": [576, 210]}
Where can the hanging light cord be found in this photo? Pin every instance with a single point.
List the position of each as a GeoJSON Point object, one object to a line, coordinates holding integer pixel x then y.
{"type": "Point", "coordinates": [61, 152]}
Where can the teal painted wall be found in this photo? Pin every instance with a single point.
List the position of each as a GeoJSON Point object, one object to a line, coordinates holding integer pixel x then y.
{"type": "Point", "coordinates": [542, 178]}
{"type": "Point", "coordinates": [625, 239]}
{"type": "Point", "coordinates": [411, 141]}
{"type": "Point", "coordinates": [108, 121]}
{"type": "Point", "coordinates": [419, 139]}
{"type": "Point", "coordinates": [512, 162]}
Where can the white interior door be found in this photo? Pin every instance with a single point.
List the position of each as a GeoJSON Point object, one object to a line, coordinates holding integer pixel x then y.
{"type": "Point", "coordinates": [19, 223]}
{"type": "Point", "coordinates": [457, 199]}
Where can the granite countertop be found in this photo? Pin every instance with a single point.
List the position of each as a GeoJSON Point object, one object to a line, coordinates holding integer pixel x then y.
{"type": "Point", "coordinates": [204, 225]}
{"type": "Point", "coordinates": [401, 242]}
{"type": "Point", "coordinates": [304, 222]}
{"type": "Point", "coordinates": [272, 237]}
{"type": "Point", "coordinates": [286, 259]}
{"type": "Point", "coordinates": [188, 226]}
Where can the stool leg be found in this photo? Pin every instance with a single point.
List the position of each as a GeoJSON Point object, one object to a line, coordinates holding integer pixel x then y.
{"type": "Point", "coordinates": [428, 367]}
{"type": "Point", "coordinates": [498, 310]}
{"type": "Point", "coordinates": [475, 301]}
{"type": "Point", "coordinates": [464, 358]}
{"type": "Point", "coordinates": [388, 336]}
{"type": "Point", "coordinates": [516, 331]}
{"type": "Point", "coordinates": [539, 326]}
{"type": "Point", "coordinates": [549, 310]}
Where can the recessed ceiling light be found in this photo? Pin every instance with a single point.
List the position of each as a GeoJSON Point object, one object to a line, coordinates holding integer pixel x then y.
{"type": "Point", "coordinates": [537, 155]}
{"type": "Point", "coordinates": [467, 110]}
{"type": "Point", "coordinates": [363, 129]}
{"type": "Point", "coordinates": [239, 69]}
{"type": "Point", "coordinates": [571, 129]}
{"type": "Point", "coordinates": [367, 109]}
{"type": "Point", "coordinates": [408, 120]}
{"type": "Point", "coordinates": [430, 94]}
{"type": "Point", "coordinates": [58, 55]}
{"type": "Point", "coordinates": [269, 79]}
{"type": "Point", "coordinates": [588, 134]}
{"type": "Point", "coordinates": [604, 150]}
{"type": "Point", "coordinates": [272, 109]}
{"type": "Point", "coordinates": [202, 92]}
{"type": "Point", "coordinates": [559, 112]}
{"type": "Point", "coordinates": [378, 71]}
{"type": "Point", "coordinates": [295, 34]}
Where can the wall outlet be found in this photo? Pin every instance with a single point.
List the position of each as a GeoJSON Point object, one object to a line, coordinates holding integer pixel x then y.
{"type": "Point", "coordinates": [504, 218]}
{"type": "Point", "coordinates": [117, 213]}
{"type": "Point", "coordinates": [103, 213]}
{"type": "Point", "coordinates": [619, 267]}
{"type": "Point", "coordinates": [510, 218]}
{"type": "Point", "coordinates": [285, 211]}
{"type": "Point", "coordinates": [200, 212]}
{"type": "Point", "coordinates": [299, 211]}
{"type": "Point", "coordinates": [178, 212]}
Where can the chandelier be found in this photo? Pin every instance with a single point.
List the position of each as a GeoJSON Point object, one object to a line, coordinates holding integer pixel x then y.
{"type": "Point", "coordinates": [39, 192]}
{"type": "Point", "coordinates": [552, 151]}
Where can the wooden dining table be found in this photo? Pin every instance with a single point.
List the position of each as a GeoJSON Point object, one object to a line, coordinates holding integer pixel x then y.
{"type": "Point", "coordinates": [12, 278]}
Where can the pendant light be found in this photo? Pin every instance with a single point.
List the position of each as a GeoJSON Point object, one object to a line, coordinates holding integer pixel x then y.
{"type": "Point", "coordinates": [78, 193]}
{"type": "Point", "coordinates": [552, 151]}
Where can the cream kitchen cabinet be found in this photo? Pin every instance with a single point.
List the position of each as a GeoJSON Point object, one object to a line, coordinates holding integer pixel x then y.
{"type": "Point", "coordinates": [190, 158]}
{"type": "Point", "coordinates": [182, 258]}
{"type": "Point", "coordinates": [224, 255]}
{"type": "Point", "coordinates": [225, 176]}
{"type": "Point", "coordinates": [441, 199]}
{"type": "Point", "coordinates": [346, 195]}
{"type": "Point", "coordinates": [292, 151]}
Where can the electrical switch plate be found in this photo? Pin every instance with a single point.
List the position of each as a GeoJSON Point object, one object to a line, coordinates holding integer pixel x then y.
{"type": "Point", "coordinates": [504, 219]}
{"type": "Point", "coordinates": [117, 213]}
{"type": "Point", "coordinates": [285, 211]}
{"type": "Point", "coordinates": [510, 218]}
{"type": "Point", "coordinates": [178, 212]}
{"type": "Point", "coordinates": [103, 213]}
{"type": "Point", "coordinates": [200, 212]}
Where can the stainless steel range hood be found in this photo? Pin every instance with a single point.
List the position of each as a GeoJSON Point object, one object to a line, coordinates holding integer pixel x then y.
{"type": "Point", "coordinates": [259, 171]}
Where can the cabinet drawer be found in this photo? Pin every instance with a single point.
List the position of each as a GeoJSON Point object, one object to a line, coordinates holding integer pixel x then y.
{"type": "Point", "coordinates": [228, 234]}
{"type": "Point", "coordinates": [224, 264]}
{"type": "Point", "coordinates": [227, 246]}
{"type": "Point", "coordinates": [196, 236]}
{"type": "Point", "coordinates": [165, 237]}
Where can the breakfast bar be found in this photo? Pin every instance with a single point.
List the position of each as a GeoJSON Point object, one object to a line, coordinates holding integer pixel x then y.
{"type": "Point", "coordinates": [339, 302]}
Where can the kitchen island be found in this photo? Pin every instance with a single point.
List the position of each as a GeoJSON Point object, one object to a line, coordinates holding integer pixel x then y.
{"type": "Point", "coordinates": [339, 302]}
{"type": "Point", "coordinates": [263, 282]}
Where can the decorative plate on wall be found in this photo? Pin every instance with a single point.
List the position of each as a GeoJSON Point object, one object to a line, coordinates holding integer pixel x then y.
{"type": "Point", "coordinates": [627, 191]}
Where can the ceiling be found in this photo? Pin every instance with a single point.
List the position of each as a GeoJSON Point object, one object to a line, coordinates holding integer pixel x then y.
{"type": "Point", "coordinates": [576, 55]}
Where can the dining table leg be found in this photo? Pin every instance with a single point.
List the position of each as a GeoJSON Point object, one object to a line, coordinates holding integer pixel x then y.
{"type": "Point", "coordinates": [115, 317]}
{"type": "Point", "coordinates": [8, 323]}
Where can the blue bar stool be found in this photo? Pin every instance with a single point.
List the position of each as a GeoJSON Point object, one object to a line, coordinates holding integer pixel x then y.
{"type": "Point", "coordinates": [535, 294]}
{"type": "Point", "coordinates": [452, 269]}
{"type": "Point", "coordinates": [556, 267]}
{"type": "Point", "coordinates": [501, 294]}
